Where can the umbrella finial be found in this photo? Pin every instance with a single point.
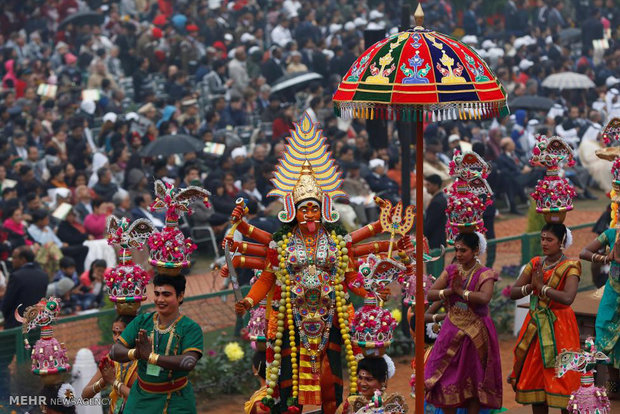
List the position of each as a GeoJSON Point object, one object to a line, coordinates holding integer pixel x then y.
{"type": "Point", "coordinates": [419, 16]}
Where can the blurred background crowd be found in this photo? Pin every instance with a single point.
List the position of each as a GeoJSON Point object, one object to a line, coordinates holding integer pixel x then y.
{"type": "Point", "coordinates": [100, 98]}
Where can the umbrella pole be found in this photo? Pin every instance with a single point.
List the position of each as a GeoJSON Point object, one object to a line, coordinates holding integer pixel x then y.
{"type": "Point", "coordinates": [419, 251]}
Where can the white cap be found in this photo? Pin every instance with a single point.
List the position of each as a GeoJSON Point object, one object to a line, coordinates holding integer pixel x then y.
{"type": "Point", "coordinates": [376, 162]}
{"type": "Point", "coordinates": [495, 52]}
{"type": "Point", "coordinates": [533, 122]}
{"type": "Point", "coordinates": [614, 91]}
{"type": "Point", "coordinates": [470, 39]}
{"type": "Point", "coordinates": [360, 21]}
{"type": "Point", "coordinates": [375, 14]}
{"type": "Point", "coordinates": [487, 44]}
{"type": "Point", "coordinates": [334, 27]}
{"type": "Point", "coordinates": [376, 26]}
{"type": "Point", "coordinates": [525, 64]}
{"type": "Point", "coordinates": [247, 37]}
{"type": "Point", "coordinates": [348, 26]}
{"type": "Point", "coordinates": [393, 30]}
{"type": "Point", "coordinates": [253, 49]}
{"type": "Point", "coordinates": [110, 117]}
{"type": "Point", "coordinates": [548, 40]}
{"type": "Point", "coordinates": [132, 116]}
{"type": "Point", "coordinates": [611, 81]}
{"type": "Point", "coordinates": [452, 138]}
{"type": "Point", "coordinates": [88, 106]}
{"type": "Point", "coordinates": [239, 152]}
{"type": "Point", "coordinates": [228, 37]}
{"type": "Point", "coordinates": [328, 53]}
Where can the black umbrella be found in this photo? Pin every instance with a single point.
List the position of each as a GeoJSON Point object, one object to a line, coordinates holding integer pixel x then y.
{"type": "Point", "coordinates": [82, 18]}
{"type": "Point", "coordinates": [532, 102]}
{"type": "Point", "coordinates": [293, 82]}
{"type": "Point", "coordinates": [172, 144]}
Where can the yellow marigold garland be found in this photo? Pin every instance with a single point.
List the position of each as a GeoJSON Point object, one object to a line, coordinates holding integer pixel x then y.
{"type": "Point", "coordinates": [286, 308]}
{"type": "Point", "coordinates": [614, 211]}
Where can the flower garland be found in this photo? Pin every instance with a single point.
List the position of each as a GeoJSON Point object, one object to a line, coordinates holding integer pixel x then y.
{"type": "Point", "coordinates": [286, 309]}
{"type": "Point", "coordinates": [554, 193]}
{"type": "Point", "coordinates": [128, 282]}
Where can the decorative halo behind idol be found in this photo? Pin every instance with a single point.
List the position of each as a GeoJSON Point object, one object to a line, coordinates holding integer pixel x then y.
{"type": "Point", "coordinates": [170, 250]}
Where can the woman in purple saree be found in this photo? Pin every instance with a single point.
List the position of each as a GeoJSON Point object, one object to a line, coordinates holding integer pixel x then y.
{"type": "Point", "coordinates": [464, 369]}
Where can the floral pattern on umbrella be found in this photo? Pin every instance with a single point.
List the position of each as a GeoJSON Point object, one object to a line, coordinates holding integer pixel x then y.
{"type": "Point", "coordinates": [451, 81]}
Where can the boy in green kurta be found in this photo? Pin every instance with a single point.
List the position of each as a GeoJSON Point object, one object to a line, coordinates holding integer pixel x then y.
{"type": "Point", "coordinates": [167, 346]}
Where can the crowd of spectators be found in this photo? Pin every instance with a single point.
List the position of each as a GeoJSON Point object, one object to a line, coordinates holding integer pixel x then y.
{"type": "Point", "coordinates": [88, 85]}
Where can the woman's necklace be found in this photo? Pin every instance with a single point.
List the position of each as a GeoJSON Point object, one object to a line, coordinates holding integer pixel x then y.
{"type": "Point", "coordinates": [169, 328]}
{"type": "Point", "coordinates": [469, 273]}
{"type": "Point", "coordinates": [552, 265]}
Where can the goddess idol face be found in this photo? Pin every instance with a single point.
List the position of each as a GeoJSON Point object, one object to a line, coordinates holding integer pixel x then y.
{"type": "Point", "coordinates": [309, 216]}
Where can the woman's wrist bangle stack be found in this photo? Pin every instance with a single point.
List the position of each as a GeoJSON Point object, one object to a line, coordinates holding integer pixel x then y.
{"type": "Point", "coordinates": [599, 258]}
{"type": "Point", "coordinates": [131, 354]}
{"type": "Point", "coordinates": [543, 291]}
{"type": "Point", "coordinates": [98, 386]}
{"type": "Point", "coordinates": [117, 386]}
{"type": "Point", "coordinates": [435, 318]}
{"type": "Point", "coordinates": [466, 295]}
{"type": "Point", "coordinates": [153, 358]}
{"type": "Point", "coordinates": [442, 294]}
{"type": "Point", "coordinates": [524, 291]}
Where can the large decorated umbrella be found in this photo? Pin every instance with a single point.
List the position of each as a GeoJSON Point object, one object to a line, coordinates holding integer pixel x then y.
{"type": "Point", "coordinates": [419, 75]}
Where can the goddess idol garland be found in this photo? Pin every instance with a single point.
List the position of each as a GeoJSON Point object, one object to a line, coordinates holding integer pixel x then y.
{"type": "Point", "coordinates": [307, 267]}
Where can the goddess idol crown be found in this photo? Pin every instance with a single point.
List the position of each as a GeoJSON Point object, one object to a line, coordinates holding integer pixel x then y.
{"type": "Point", "coordinates": [307, 171]}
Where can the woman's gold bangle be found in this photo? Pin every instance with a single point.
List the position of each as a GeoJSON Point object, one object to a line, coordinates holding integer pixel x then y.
{"type": "Point", "coordinates": [153, 358]}
{"type": "Point", "coordinates": [442, 294]}
{"type": "Point", "coordinates": [131, 354]}
{"type": "Point", "coordinates": [466, 295]}
{"type": "Point", "coordinates": [435, 318]}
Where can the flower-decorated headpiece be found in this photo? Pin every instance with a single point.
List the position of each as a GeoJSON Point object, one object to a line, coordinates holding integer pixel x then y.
{"type": "Point", "coordinates": [611, 138]}
{"type": "Point", "coordinates": [126, 282]}
{"type": "Point", "coordinates": [257, 325]}
{"type": "Point", "coordinates": [49, 357]}
{"type": "Point", "coordinates": [588, 399]}
{"type": "Point", "coordinates": [468, 196]}
{"type": "Point", "coordinates": [307, 171]}
{"type": "Point", "coordinates": [553, 194]}
{"type": "Point", "coordinates": [170, 249]}
{"type": "Point", "coordinates": [373, 326]}
{"type": "Point", "coordinates": [380, 404]}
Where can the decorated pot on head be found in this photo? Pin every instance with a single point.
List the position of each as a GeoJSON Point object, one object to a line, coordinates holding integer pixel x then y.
{"type": "Point", "coordinates": [373, 326]}
{"type": "Point", "coordinates": [257, 325]}
{"type": "Point", "coordinates": [553, 194]}
{"type": "Point", "coordinates": [126, 282]}
{"type": "Point", "coordinates": [587, 399]}
{"type": "Point", "coordinates": [469, 195]}
{"type": "Point", "coordinates": [49, 357]}
{"type": "Point", "coordinates": [170, 250]}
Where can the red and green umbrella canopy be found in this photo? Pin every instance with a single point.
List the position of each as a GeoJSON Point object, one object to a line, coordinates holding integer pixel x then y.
{"type": "Point", "coordinates": [420, 72]}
